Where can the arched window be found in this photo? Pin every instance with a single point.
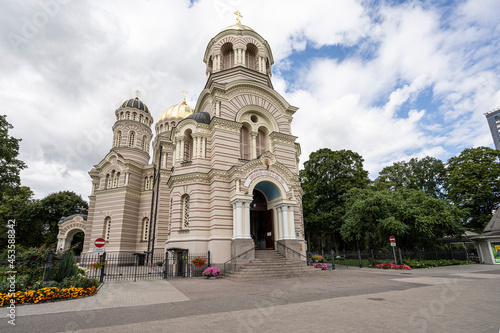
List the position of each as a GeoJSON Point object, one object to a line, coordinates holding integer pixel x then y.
{"type": "Point", "coordinates": [134, 116]}
{"type": "Point", "coordinates": [131, 139]}
{"type": "Point", "coordinates": [140, 118]}
{"type": "Point", "coordinates": [116, 181]}
{"type": "Point", "coordinates": [144, 143]}
{"type": "Point", "coordinates": [145, 229]}
{"type": "Point", "coordinates": [118, 138]}
{"type": "Point", "coordinates": [108, 182]}
{"type": "Point", "coordinates": [128, 115]}
{"type": "Point", "coordinates": [146, 183]}
{"type": "Point", "coordinates": [170, 215]}
{"type": "Point", "coordinates": [261, 143]}
{"type": "Point", "coordinates": [250, 56]}
{"type": "Point", "coordinates": [185, 212]}
{"type": "Point", "coordinates": [161, 128]}
{"type": "Point", "coordinates": [244, 143]}
{"type": "Point", "coordinates": [210, 65]}
{"type": "Point", "coordinates": [227, 55]}
{"type": "Point", "coordinates": [107, 228]}
{"type": "Point", "coordinates": [188, 146]}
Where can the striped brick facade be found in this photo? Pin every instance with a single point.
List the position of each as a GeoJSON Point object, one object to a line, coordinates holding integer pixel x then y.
{"type": "Point", "coordinates": [236, 142]}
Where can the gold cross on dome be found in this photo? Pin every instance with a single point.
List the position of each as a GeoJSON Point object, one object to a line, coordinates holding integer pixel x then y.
{"type": "Point", "coordinates": [238, 15]}
{"type": "Point", "coordinates": [137, 94]}
{"type": "Point", "coordinates": [185, 92]}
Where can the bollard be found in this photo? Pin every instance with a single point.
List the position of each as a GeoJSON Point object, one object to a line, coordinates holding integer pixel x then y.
{"type": "Point", "coordinates": [333, 261]}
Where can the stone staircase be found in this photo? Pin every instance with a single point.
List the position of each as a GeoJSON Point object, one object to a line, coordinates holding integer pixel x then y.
{"type": "Point", "coordinates": [270, 264]}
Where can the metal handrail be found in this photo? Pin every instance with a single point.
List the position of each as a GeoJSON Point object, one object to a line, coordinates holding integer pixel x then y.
{"type": "Point", "coordinates": [289, 248]}
{"type": "Point", "coordinates": [252, 249]}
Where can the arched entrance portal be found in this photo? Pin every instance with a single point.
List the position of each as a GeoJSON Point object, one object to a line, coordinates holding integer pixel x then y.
{"type": "Point", "coordinates": [261, 222]}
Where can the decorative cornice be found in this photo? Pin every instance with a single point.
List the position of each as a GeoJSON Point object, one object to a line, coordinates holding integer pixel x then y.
{"type": "Point", "coordinates": [283, 138]}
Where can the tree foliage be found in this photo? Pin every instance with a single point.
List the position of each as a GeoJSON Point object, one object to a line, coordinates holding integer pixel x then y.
{"type": "Point", "coordinates": [58, 205]}
{"type": "Point", "coordinates": [37, 220]}
{"type": "Point", "coordinates": [474, 184]}
{"type": "Point", "coordinates": [416, 219]}
{"type": "Point", "coordinates": [326, 177]}
{"type": "Point", "coordinates": [427, 174]}
{"type": "Point", "coordinates": [10, 165]}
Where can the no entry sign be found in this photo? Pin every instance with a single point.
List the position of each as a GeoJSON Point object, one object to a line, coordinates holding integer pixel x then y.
{"type": "Point", "coordinates": [100, 242]}
{"type": "Point", "coordinates": [392, 239]}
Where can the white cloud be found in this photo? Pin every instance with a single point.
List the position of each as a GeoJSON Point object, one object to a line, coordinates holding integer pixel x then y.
{"type": "Point", "coordinates": [61, 86]}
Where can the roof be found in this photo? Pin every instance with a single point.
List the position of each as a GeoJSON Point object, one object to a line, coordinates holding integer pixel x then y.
{"type": "Point", "coordinates": [67, 218]}
{"type": "Point", "coordinates": [135, 103]}
{"type": "Point", "coordinates": [200, 117]}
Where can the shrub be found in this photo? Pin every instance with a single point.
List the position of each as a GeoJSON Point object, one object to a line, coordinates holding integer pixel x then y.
{"type": "Point", "coordinates": [416, 263]}
{"type": "Point", "coordinates": [67, 268]}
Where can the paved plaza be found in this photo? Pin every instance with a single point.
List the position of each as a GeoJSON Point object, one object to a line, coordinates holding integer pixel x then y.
{"type": "Point", "coordinates": [445, 299]}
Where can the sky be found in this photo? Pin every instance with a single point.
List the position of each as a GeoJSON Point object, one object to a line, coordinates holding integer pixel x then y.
{"type": "Point", "coordinates": [390, 80]}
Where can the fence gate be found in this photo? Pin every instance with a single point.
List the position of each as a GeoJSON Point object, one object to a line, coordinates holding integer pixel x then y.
{"type": "Point", "coordinates": [137, 266]}
{"type": "Point", "coordinates": [179, 263]}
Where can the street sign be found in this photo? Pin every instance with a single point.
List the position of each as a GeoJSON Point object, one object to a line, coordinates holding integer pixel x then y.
{"type": "Point", "coordinates": [393, 244]}
{"type": "Point", "coordinates": [100, 242]}
{"type": "Point", "coordinates": [392, 239]}
{"type": "Point", "coordinates": [99, 250]}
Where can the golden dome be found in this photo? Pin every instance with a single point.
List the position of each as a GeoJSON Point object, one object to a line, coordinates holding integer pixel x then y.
{"type": "Point", "coordinates": [176, 111]}
{"type": "Point", "coordinates": [238, 27]}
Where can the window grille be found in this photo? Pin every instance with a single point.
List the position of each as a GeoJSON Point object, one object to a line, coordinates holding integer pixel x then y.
{"type": "Point", "coordinates": [185, 212]}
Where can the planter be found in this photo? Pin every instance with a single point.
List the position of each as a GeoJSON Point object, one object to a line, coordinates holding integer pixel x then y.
{"type": "Point", "coordinates": [212, 277]}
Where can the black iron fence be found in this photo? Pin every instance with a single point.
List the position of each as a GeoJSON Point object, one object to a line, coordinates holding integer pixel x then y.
{"type": "Point", "coordinates": [181, 263]}
{"type": "Point", "coordinates": [116, 267]}
{"type": "Point", "coordinates": [372, 257]}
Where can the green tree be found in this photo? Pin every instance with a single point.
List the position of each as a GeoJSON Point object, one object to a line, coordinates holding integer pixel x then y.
{"type": "Point", "coordinates": [326, 177]}
{"type": "Point", "coordinates": [416, 219]}
{"type": "Point", "coordinates": [10, 165]}
{"type": "Point", "coordinates": [427, 174]}
{"type": "Point", "coordinates": [474, 184]}
{"type": "Point", "coordinates": [58, 205]}
{"type": "Point", "coordinates": [30, 227]}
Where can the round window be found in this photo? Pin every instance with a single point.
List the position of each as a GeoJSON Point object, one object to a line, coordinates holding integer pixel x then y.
{"type": "Point", "coordinates": [254, 118]}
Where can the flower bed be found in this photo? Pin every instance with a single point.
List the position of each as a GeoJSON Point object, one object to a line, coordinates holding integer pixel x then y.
{"type": "Point", "coordinates": [415, 263]}
{"type": "Point", "coordinates": [46, 294]}
{"type": "Point", "coordinates": [320, 265]}
{"type": "Point", "coordinates": [211, 272]}
{"type": "Point", "coordinates": [387, 265]}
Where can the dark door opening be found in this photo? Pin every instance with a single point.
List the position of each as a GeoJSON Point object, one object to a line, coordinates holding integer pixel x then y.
{"type": "Point", "coordinates": [261, 222]}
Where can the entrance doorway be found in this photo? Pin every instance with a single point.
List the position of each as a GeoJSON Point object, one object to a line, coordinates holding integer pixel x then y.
{"type": "Point", "coordinates": [261, 222]}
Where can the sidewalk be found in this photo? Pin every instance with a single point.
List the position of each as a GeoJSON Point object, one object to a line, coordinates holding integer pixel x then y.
{"type": "Point", "coordinates": [444, 299]}
{"type": "Point", "coordinates": [111, 295]}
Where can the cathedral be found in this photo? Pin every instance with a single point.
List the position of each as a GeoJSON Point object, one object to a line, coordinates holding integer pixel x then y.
{"type": "Point", "coordinates": [221, 176]}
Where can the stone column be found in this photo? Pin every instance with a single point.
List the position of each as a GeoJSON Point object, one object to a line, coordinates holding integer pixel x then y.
{"type": "Point", "coordinates": [195, 147]}
{"type": "Point", "coordinates": [234, 220]}
{"type": "Point", "coordinates": [243, 51]}
{"type": "Point", "coordinates": [61, 242]}
{"type": "Point", "coordinates": [164, 160]}
{"type": "Point", "coordinates": [181, 157]}
{"type": "Point", "coordinates": [239, 222]}
{"type": "Point", "coordinates": [203, 145]}
{"type": "Point", "coordinates": [286, 223]}
{"type": "Point", "coordinates": [253, 145]}
{"type": "Point", "coordinates": [280, 223]}
{"type": "Point", "coordinates": [292, 222]}
{"type": "Point", "coordinates": [247, 220]}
